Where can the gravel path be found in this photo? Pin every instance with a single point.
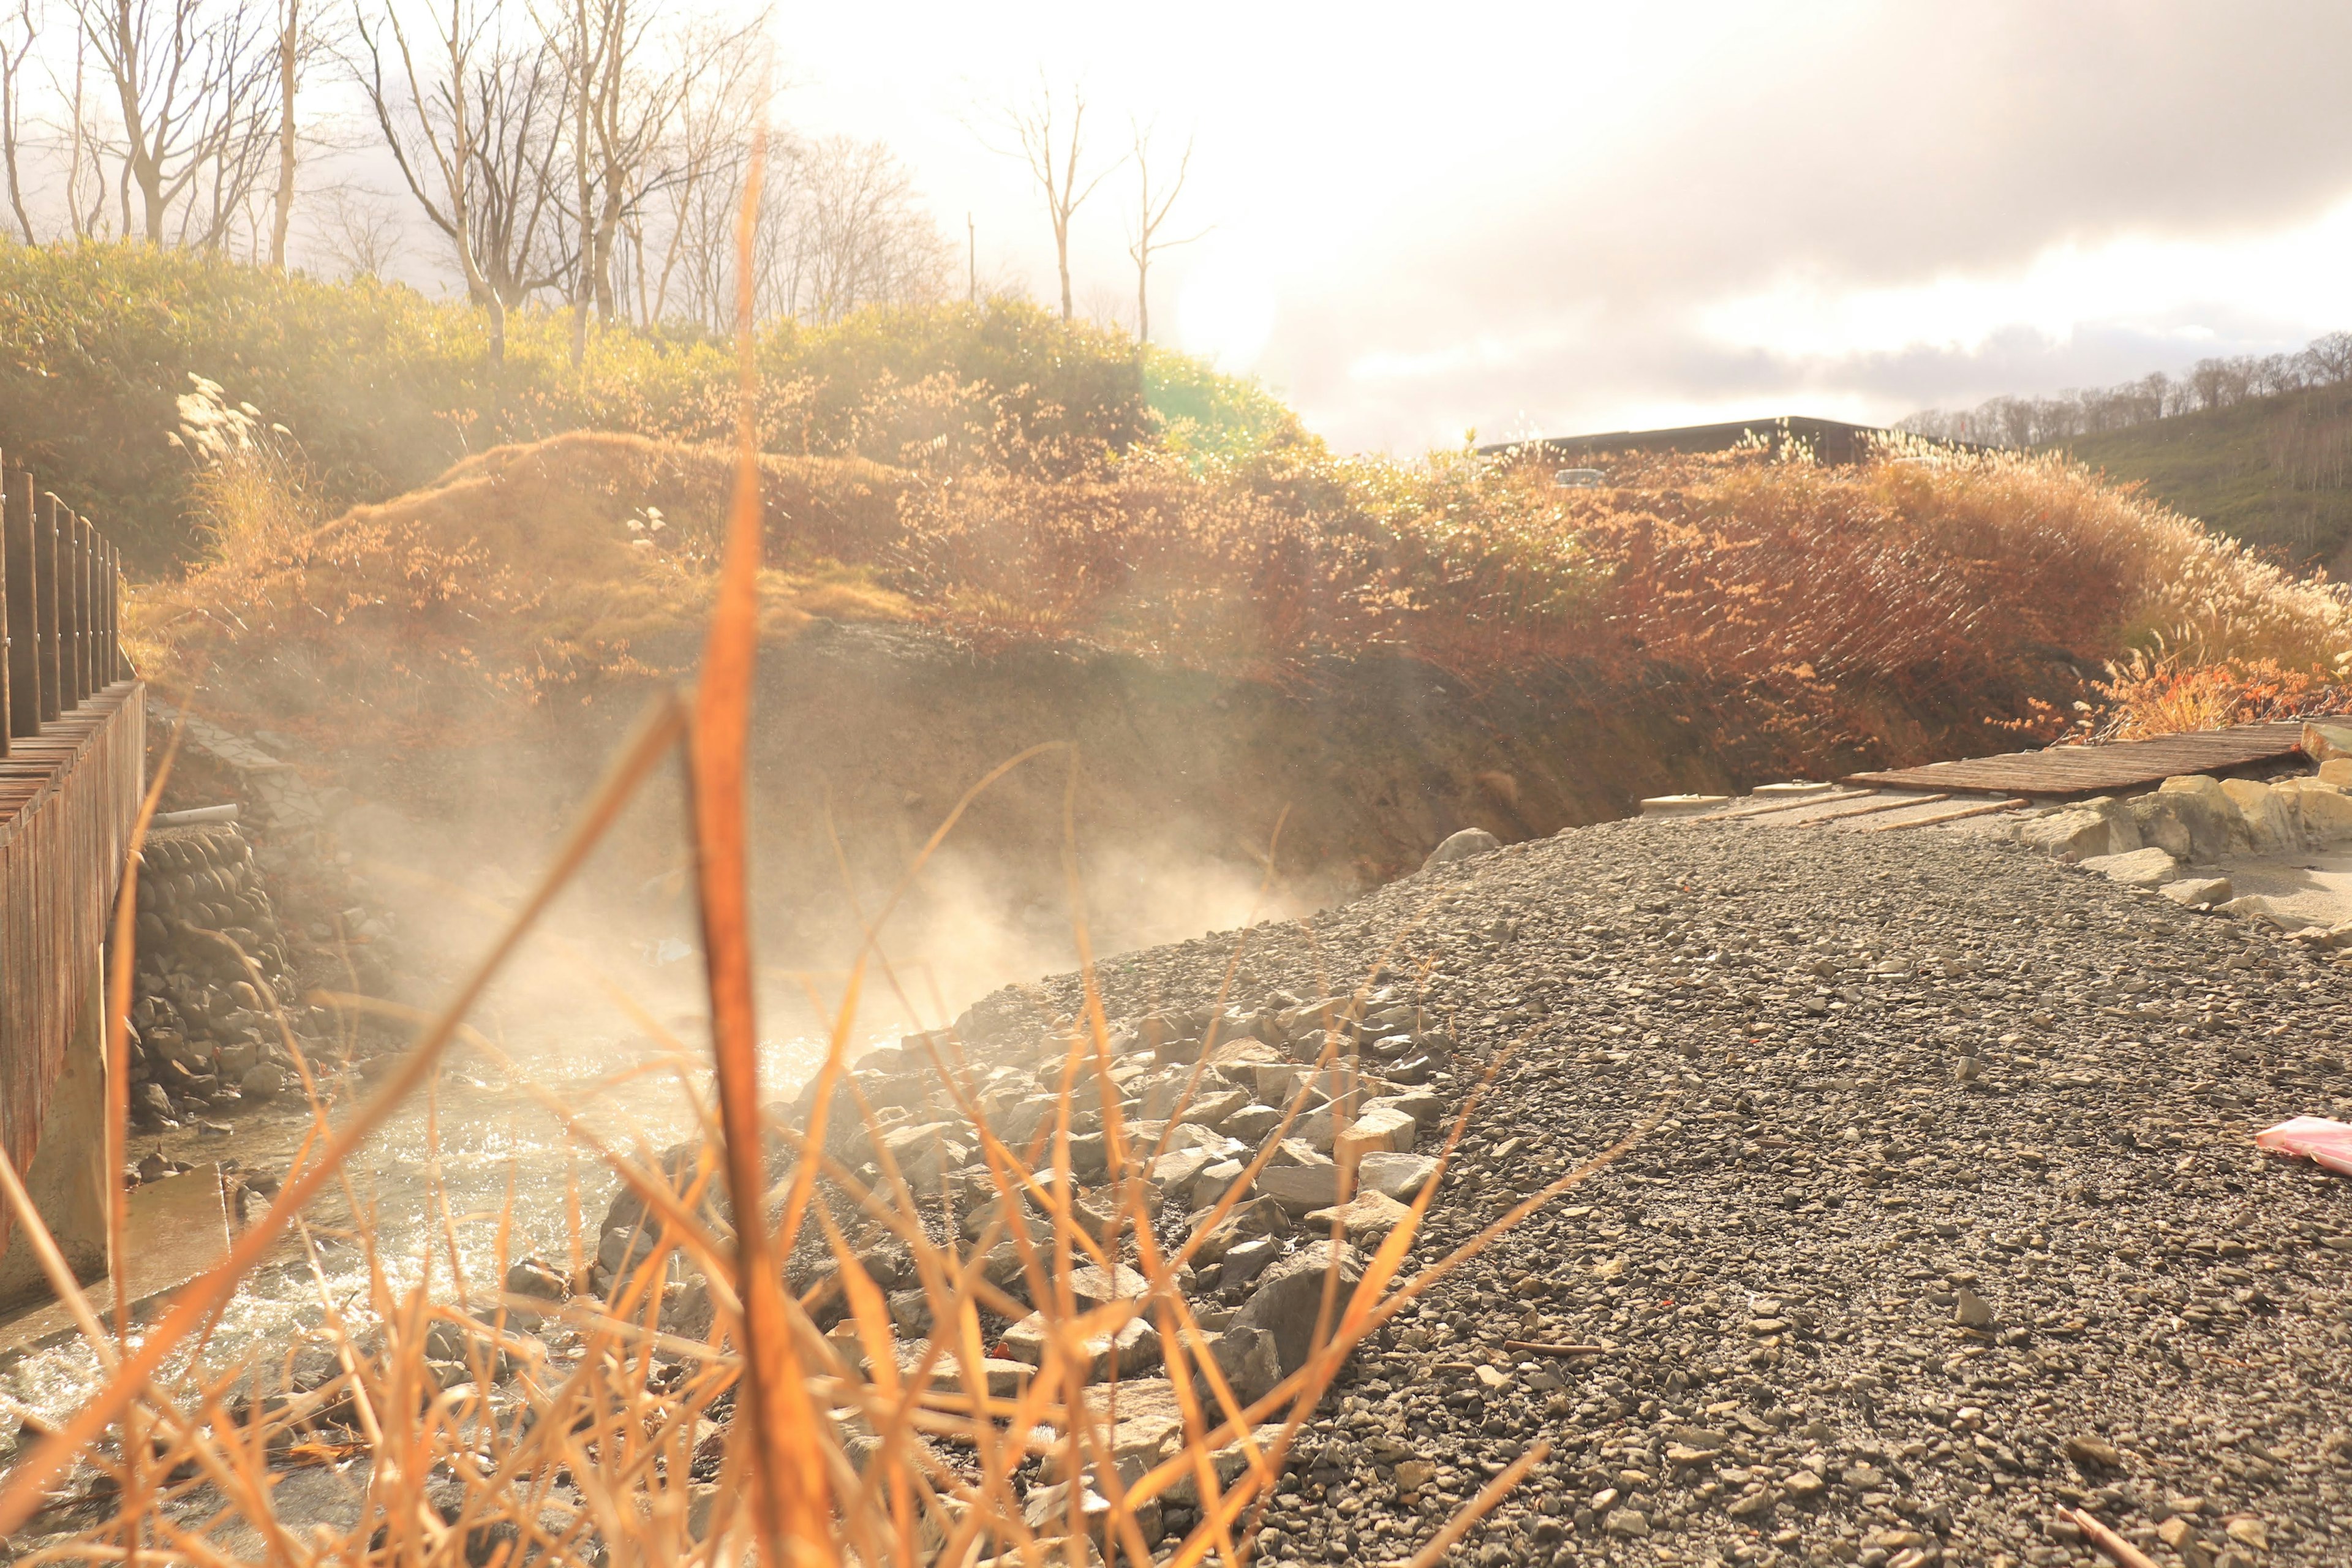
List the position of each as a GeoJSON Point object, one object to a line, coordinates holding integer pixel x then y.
{"type": "Point", "coordinates": [1855, 1304]}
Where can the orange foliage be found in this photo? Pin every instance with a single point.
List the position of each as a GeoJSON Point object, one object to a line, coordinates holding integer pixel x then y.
{"type": "Point", "coordinates": [1995, 588]}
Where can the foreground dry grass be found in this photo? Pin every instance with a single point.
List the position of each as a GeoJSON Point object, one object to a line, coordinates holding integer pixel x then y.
{"type": "Point", "coordinates": [823, 1448]}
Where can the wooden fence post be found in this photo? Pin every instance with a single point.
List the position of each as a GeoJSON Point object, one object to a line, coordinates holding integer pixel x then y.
{"type": "Point", "coordinates": [45, 593]}
{"type": "Point", "coordinates": [7, 645]}
{"type": "Point", "coordinates": [69, 627]}
{"type": "Point", "coordinates": [113, 663]}
{"type": "Point", "coordinates": [24, 614]}
{"type": "Point", "coordinates": [86, 568]}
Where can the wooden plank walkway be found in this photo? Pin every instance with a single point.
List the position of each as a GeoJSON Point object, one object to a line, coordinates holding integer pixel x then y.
{"type": "Point", "coordinates": [2061, 773]}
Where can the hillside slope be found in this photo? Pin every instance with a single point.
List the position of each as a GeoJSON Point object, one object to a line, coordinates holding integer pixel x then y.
{"type": "Point", "coordinates": [2275, 472]}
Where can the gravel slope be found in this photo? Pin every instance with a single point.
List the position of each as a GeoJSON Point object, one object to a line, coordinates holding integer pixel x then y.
{"type": "Point", "coordinates": [1853, 1308]}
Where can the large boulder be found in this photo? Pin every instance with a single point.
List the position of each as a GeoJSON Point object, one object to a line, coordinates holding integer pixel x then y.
{"type": "Point", "coordinates": [1399, 1176]}
{"type": "Point", "coordinates": [2323, 812]}
{"type": "Point", "coordinates": [2265, 818]}
{"type": "Point", "coordinates": [2207, 818]}
{"type": "Point", "coordinates": [2081, 831]}
{"type": "Point", "coordinates": [1289, 1297]}
{"type": "Point", "coordinates": [1134, 1349]}
{"type": "Point", "coordinates": [1462, 846]}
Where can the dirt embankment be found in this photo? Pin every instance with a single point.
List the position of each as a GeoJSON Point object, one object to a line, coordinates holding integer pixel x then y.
{"type": "Point", "coordinates": [1185, 782]}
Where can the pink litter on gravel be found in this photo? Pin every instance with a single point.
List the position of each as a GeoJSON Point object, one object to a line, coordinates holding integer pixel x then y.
{"type": "Point", "coordinates": [2320, 1139]}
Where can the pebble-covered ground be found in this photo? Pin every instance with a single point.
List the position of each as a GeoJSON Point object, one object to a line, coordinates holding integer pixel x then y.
{"type": "Point", "coordinates": [1954, 1221]}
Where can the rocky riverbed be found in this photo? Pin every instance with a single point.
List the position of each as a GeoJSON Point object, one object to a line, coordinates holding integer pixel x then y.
{"type": "Point", "coordinates": [1951, 1219]}
{"type": "Point", "coordinates": [1953, 1224]}
{"type": "Point", "coordinates": [1955, 1221]}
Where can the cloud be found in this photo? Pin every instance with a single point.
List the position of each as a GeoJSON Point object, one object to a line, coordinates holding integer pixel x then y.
{"type": "Point", "coordinates": [1850, 212]}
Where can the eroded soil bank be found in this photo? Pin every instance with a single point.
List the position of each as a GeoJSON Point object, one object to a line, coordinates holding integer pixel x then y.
{"type": "Point", "coordinates": [1185, 784]}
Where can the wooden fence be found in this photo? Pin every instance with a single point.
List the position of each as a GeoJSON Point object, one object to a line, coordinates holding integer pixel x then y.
{"type": "Point", "coordinates": [72, 765]}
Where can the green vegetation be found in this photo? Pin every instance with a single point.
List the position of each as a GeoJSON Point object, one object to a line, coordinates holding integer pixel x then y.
{"type": "Point", "coordinates": [2275, 472]}
{"type": "Point", "coordinates": [384, 388]}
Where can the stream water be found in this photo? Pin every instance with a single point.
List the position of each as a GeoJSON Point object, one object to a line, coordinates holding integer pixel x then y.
{"type": "Point", "coordinates": [479, 1155]}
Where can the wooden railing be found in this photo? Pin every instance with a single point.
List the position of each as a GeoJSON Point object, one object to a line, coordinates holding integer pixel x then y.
{"type": "Point", "coordinates": [62, 607]}
{"type": "Point", "coordinates": [72, 766]}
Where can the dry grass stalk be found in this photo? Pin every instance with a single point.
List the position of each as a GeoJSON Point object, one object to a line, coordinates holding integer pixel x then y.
{"type": "Point", "coordinates": [826, 1445]}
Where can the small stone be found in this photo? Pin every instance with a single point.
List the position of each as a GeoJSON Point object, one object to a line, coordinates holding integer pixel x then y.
{"type": "Point", "coordinates": [531, 1278]}
{"type": "Point", "coordinates": [1365, 1219]}
{"type": "Point", "coordinates": [1412, 1475]}
{"type": "Point", "coordinates": [1626, 1522]}
{"type": "Point", "coordinates": [214, 1129]}
{"type": "Point", "coordinates": [263, 1084]}
{"type": "Point", "coordinates": [2195, 890]}
{"type": "Point", "coordinates": [2248, 1531]}
{"type": "Point", "coordinates": [2148, 867]}
{"type": "Point", "coordinates": [1803, 1486]}
{"type": "Point", "coordinates": [2093, 1452]}
{"type": "Point", "coordinates": [1972, 1311]}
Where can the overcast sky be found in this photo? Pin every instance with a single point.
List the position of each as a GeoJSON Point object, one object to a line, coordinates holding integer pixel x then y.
{"type": "Point", "coordinates": [1567, 217]}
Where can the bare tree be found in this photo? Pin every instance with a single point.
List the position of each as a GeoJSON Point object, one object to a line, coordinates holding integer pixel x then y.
{"type": "Point", "coordinates": [625, 89]}
{"type": "Point", "coordinates": [361, 231]}
{"type": "Point", "coordinates": [468, 121]}
{"type": "Point", "coordinates": [1151, 215]}
{"type": "Point", "coordinates": [17, 30]}
{"type": "Point", "coordinates": [80, 144]}
{"type": "Point", "coordinates": [845, 230]}
{"type": "Point", "coordinates": [289, 62]}
{"type": "Point", "coordinates": [710, 139]}
{"type": "Point", "coordinates": [191, 81]}
{"type": "Point", "coordinates": [1051, 139]}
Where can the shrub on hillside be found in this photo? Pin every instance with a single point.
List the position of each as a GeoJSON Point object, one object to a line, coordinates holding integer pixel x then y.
{"type": "Point", "coordinates": [1995, 587]}
{"type": "Point", "coordinates": [386, 388]}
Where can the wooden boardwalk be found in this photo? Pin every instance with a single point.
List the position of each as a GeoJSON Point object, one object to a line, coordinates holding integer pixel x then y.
{"type": "Point", "coordinates": [2062, 772]}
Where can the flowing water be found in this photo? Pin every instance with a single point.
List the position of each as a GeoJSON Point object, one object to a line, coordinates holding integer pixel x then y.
{"type": "Point", "coordinates": [478, 1156]}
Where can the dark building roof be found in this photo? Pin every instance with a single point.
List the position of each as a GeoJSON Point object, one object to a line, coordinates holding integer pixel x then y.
{"type": "Point", "coordinates": [1829, 440]}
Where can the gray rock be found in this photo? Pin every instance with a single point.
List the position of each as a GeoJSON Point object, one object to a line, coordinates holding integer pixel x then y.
{"type": "Point", "coordinates": [1290, 1294]}
{"type": "Point", "coordinates": [1251, 1123]}
{"type": "Point", "coordinates": [1248, 1359]}
{"type": "Point", "coordinates": [532, 1278]}
{"type": "Point", "coordinates": [1626, 1522]}
{"type": "Point", "coordinates": [1214, 1181]}
{"type": "Point", "coordinates": [2150, 868]}
{"type": "Point", "coordinates": [2195, 890]}
{"type": "Point", "coordinates": [1134, 1349]}
{"type": "Point", "coordinates": [1299, 1188]}
{"type": "Point", "coordinates": [1462, 846]}
{"type": "Point", "coordinates": [264, 1082]}
{"type": "Point", "coordinates": [1399, 1176]}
